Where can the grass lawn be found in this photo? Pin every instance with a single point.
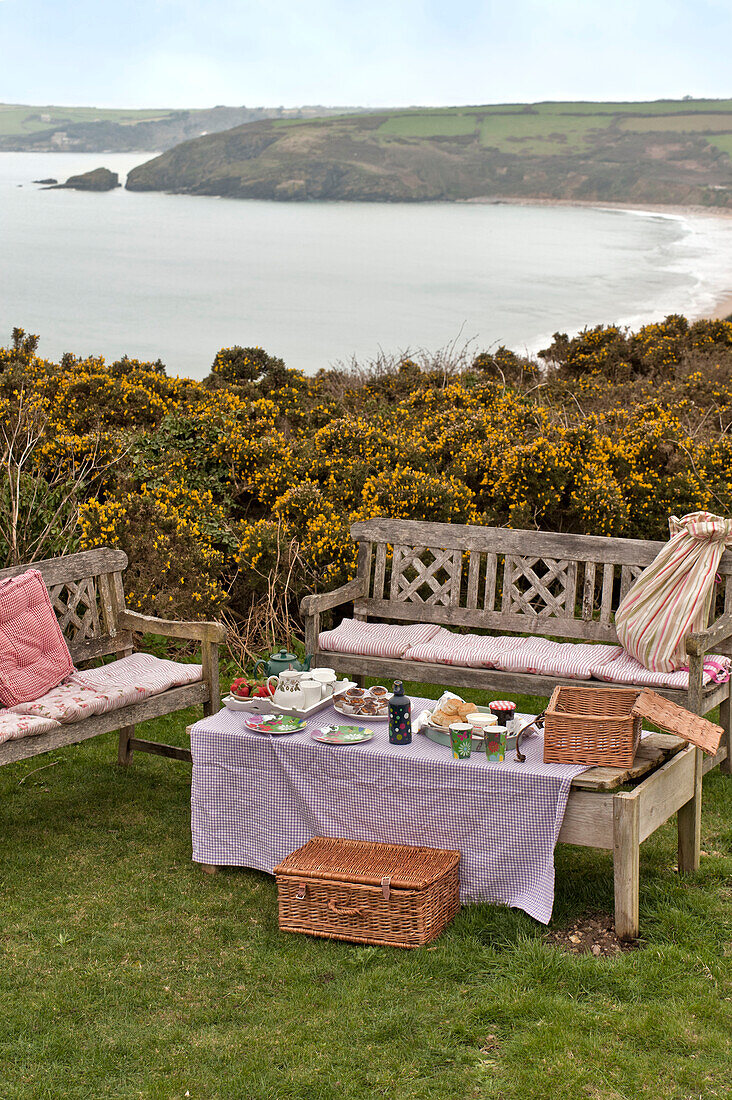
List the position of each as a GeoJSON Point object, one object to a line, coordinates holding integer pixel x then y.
{"type": "Point", "coordinates": [126, 972]}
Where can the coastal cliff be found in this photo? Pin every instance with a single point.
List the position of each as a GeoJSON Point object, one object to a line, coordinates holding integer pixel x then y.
{"type": "Point", "coordinates": [673, 152]}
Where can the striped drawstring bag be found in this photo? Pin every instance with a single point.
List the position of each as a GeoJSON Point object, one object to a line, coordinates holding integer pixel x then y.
{"type": "Point", "coordinates": [672, 598]}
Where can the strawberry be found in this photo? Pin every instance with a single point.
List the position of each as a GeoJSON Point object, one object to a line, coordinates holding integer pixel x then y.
{"type": "Point", "coordinates": [261, 691]}
{"type": "Point", "coordinates": [240, 687]}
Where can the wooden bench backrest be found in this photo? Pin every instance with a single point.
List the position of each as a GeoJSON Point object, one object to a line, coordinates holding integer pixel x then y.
{"type": "Point", "coordinates": [494, 578]}
{"type": "Point", "coordinates": [87, 594]}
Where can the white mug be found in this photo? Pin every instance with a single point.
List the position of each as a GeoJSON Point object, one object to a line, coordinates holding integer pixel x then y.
{"type": "Point", "coordinates": [326, 677]}
{"type": "Point", "coordinates": [311, 692]}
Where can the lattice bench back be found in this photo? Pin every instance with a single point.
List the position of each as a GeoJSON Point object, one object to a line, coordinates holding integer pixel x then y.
{"type": "Point", "coordinates": [87, 594]}
{"type": "Point", "coordinates": [498, 579]}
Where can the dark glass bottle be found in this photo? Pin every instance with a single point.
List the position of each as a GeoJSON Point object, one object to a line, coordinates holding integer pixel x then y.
{"type": "Point", "coordinates": [400, 721]}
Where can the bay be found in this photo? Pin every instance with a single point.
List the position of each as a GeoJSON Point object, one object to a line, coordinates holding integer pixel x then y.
{"type": "Point", "coordinates": [178, 277]}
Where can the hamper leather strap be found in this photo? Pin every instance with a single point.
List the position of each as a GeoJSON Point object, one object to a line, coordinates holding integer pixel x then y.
{"type": "Point", "coordinates": [344, 910]}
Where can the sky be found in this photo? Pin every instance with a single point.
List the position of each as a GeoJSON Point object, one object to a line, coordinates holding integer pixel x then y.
{"type": "Point", "coordinates": [372, 53]}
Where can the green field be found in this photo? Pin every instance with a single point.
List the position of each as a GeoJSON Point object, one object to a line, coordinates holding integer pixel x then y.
{"type": "Point", "coordinates": [431, 125]}
{"type": "Point", "coordinates": [125, 972]}
{"type": "Point", "coordinates": [16, 119]}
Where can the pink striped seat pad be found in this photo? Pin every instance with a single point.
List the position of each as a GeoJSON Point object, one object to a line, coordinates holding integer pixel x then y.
{"type": "Point", "coordinates": [569, 660]}
{"type": "Point", "coordinates": [466, 650]}
{"type": "Point", "coordinates": [141, 672]}
{"type": "Point", "coordinates": [375, 639]}
{"type": "Point", "coordinates": [626, 670]}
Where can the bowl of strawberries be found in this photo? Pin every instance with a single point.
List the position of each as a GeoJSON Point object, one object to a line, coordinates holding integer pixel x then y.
{"type": "Point", "coordinates": [246, 694]}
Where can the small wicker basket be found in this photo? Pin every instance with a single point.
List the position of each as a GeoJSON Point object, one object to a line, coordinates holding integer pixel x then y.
{"type": "Point", "coordinates": [365, 892]}
{"type": "Point", "coordinates": [589, 725]}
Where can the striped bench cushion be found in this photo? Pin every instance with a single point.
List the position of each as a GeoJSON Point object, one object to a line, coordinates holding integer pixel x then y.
{"type": "Point", "coordinates": [375, 639]}
{"type": "Point", "coordinates": [626, 670]}
{"type": "Point", "coordinates": [467, 650]}
{"type": "Point", "coordinates": [569, 660]}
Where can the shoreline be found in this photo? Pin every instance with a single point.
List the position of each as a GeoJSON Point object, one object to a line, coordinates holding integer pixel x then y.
{"type": "Point", "coordinates": [722, 307]}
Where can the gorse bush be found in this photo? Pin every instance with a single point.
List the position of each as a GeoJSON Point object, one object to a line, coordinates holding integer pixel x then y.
{"type": "Point", "coordinates": [237, 493]}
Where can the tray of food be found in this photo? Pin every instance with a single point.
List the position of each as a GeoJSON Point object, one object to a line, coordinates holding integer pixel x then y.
{"type": "Point", "coordinates": [253, 697]}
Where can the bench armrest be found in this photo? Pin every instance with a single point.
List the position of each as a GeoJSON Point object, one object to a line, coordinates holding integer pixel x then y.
{"type": "Point", "coordinates": [171, 628]}
{"type": "Point", "coordinates": [313, 605]}
{"type": "Point", "coordinates": [720, 631]}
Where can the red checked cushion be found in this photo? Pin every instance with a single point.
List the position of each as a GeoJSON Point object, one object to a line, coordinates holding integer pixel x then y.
{"type": "Point", "coordinates": [33, 654]}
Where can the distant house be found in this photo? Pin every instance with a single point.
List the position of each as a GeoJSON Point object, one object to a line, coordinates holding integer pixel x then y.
{"type": "Point", "coordinates": [45, 118]}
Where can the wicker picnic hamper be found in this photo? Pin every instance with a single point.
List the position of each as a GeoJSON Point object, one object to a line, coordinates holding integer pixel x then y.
{"type": "Point", "coordinates": [592, 725]}
{"type": "Point", "coordinates": [365, 892]}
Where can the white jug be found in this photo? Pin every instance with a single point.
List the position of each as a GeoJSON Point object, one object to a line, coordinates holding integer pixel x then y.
{"type": "Point", "coordinates": [287, 691]}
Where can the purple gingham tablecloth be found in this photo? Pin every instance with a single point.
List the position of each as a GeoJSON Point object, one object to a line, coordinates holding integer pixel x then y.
{"type": "Point", "coordinates": [256, 798]}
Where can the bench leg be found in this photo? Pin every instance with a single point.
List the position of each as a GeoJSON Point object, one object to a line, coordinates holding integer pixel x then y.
{"type": "Point", "coordinates": [124, 752]}
{"type": "Point", "coordinates": [626, 864]}
{"type": "Point", "coordinates": [689, 823]}
{"type": "Point", "coordinates": [725, 720]}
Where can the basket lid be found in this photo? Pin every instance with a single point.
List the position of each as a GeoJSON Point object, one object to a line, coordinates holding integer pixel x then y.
{"type": "Point", "coordinates": [368, 862]}
{"type": "Point", "coordinates": [675, 719]}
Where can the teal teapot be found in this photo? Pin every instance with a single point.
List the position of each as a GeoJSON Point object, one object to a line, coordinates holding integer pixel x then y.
{"type": "Point", "coordinates": [280, 662]}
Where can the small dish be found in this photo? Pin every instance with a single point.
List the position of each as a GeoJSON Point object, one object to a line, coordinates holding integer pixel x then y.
{"type": "Point", "coordinates": [342, 735]}
{"type": "Point", "coordinates": [275, 724]}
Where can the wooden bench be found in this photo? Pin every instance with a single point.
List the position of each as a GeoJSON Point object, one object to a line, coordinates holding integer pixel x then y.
{"type": "Point", "coordinates": [512, 581]}
{"type": "Point", "coordinates": [87, 594]}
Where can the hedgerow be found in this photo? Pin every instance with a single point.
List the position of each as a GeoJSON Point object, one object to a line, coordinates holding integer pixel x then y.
{"type": "Point", "coordinates": [241, 488]}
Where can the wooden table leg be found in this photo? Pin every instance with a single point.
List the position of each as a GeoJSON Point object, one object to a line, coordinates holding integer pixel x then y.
{"type": "Point", "coordinates": [689, 823]}
{"type": "Point", "coordinates": [626, 864]}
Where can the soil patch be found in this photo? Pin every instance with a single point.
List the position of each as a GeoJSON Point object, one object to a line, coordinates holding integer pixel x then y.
{"type": "Point", "coordinates": [591, 934]}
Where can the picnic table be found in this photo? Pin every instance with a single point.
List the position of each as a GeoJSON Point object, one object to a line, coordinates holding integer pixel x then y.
{"type": "Point", "coordinates": [256, 798]}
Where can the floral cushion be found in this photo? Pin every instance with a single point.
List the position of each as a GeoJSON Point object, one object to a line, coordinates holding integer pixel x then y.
{"type": "Point", "coordinates": [14, 726]}
{"type": "Point", "coordinates": [107, 688]}
{"type": "Point", "coordinates": [33, 654]}
{"type": "Point", "coordinates": [375, 639]}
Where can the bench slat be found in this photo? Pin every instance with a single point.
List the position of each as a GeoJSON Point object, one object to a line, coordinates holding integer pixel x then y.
{"type": "Point", "coordinates": [380, 571]}
{"type": "Point", "coordinates": [166, 703]}
{"type": "Point", "coordinates": [606, 604]}
{"type": "Point", "coordinates": [588, 594]}
{"type": "Point", "coordinates": [570, 597]}
{"type": "Point", "coordinates": [489, 592]}
{"type": "Point", "coordinates": [522, 543]}
{"type": "Point", "coordinates": [74, 567]}
{"type": "Point", "coordinates": [490, 620]}
{"type": "Point", "coordinates": [473, 577]}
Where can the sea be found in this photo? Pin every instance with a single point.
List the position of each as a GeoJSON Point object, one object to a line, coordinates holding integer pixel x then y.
{"type": "Point", "coordinates": [177, 277]}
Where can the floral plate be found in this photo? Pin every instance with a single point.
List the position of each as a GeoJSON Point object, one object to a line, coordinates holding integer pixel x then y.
{"type": "Point", "coordinates": [342, 735]}
{"type": "Point", "coordinates": [274, 723]}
